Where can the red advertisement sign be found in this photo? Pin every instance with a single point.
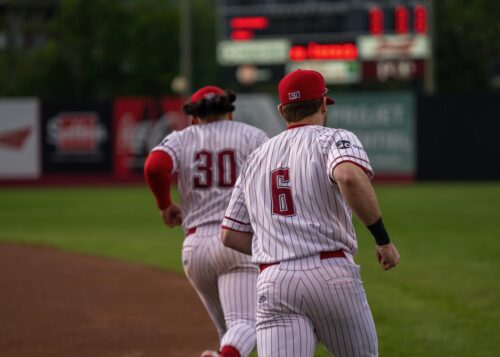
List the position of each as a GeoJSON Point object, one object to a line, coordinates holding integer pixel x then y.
{"type": "Point", "coordinates": [139, 125]}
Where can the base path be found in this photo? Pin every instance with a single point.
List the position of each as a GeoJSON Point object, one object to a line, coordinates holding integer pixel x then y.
{"type": "Point", "coordinates": [54, 303]}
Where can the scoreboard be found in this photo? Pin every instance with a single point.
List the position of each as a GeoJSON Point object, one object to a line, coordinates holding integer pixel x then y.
{"type": "Point", "coordinates": [349, 41]}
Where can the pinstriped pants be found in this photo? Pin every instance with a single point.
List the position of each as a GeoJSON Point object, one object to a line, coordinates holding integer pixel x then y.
{"type": "Point", "coordinates": [306, 300]}
{"type": "Point", "coordinates": [225, 281]}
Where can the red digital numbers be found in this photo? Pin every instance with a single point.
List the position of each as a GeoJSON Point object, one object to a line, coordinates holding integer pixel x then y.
{"type": "Point", "coordinates": [376, 24]}
{"type": "Point", "coordinates": [204, 169]}
{"type": "Point", "coordinates": [402, 19]}
{"type": "Point", "coordinates": [282, 203]}
{"type": "Point", "coordinates": [420, 19]}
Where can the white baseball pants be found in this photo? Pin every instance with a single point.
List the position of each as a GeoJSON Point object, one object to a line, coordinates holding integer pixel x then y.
{"type": "Point", "coordinates": [309, 299]}
{"type": "Point", "coordinates": [225, 281]}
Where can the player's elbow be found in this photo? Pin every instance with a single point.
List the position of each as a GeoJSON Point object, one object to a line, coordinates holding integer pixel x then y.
{"type": "Point", "coordinates": [226, 237]}
{"type": "Point", "coordinates": [230, 238]}
{"type": "Point", "coordinates": [239, 241]}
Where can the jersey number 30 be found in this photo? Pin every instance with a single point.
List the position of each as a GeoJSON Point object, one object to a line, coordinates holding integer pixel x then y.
{"type": "Point", "coordinates": [225, 165]}
{"type": "Point", "coordinates": [282, 192]}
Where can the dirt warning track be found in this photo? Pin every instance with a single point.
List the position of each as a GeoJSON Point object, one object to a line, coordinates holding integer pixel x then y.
{"type": "Point", "coordinates": [54, 303]}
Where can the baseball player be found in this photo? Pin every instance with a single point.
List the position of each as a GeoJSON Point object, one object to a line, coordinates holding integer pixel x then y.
{"type": "Point", "coordinates": [291, 209]}
{"type": "Point", "coordinates": [207, 157]}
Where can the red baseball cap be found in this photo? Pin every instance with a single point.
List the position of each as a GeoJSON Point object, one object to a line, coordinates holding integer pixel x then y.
{"type": "Point", "coordinates": [301, 85]}
{"type": "Point", "coordinates": [207, 92]}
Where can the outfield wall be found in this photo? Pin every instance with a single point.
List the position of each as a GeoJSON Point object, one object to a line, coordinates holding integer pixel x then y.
{"type": "Point", "coordinates": [92, 142]}
{"type": "Point", "coordinates": [406, 137]}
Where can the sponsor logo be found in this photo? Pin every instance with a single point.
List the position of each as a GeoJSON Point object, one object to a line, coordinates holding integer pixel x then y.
{"type": "Point", "coordinates": [140, 125]}
{"type": "Point", "coordinates": [76, 132]}
{"type": "Point", "coordinates": [135, 137]}
{"type": "Point", "coordinates": [138, 136]}
{"type": "Point", "coordinates": [343, 144]}
{"type": "Point", "coordinates": [15, 139]}
{"type": "Point", "coordinates": [294, 95]}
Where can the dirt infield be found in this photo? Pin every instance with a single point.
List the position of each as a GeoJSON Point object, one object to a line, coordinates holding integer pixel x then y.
{"type": "Point", "coordinates": [54, 303]}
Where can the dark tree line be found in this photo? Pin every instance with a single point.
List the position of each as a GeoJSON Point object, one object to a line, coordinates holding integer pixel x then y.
{"type": "Point", "coordinates": [104, 48]}
{"type": "Point", "coordinates": [467, 44]}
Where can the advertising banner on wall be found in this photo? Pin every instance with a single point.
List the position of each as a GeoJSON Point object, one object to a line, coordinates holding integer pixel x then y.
{"type": "Point", "coordinates": [76, 138]}
{"type": "Point", "coordinates": [385, 124]}
{"type": "Point", "coordinates": [139, 125]}
{"type": "Point", "coordinates": [19, 139]}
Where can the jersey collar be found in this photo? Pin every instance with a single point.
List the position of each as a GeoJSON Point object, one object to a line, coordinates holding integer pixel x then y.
{"type": "Point", "coordinates": [296, 126]}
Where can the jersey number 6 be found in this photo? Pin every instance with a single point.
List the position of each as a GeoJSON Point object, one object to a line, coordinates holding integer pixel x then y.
{"type": "Point", "coordinates": [282, 203]}
{"type": "Point", "coordinates": [204, 169]}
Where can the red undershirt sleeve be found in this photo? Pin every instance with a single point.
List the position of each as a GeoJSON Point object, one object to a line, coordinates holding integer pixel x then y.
{"type": "Point", "coordinates": [157, 170]}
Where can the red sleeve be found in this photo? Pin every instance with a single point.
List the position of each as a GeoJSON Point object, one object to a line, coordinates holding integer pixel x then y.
{"type": "Point", "coordinates": [157, 170]}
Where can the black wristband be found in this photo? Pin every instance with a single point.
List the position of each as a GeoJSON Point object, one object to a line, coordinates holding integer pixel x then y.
{"type": "Point", "coordinates": [378, 231]}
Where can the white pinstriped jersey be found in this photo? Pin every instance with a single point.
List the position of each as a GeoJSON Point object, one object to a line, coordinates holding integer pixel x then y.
{"type": "Point", "coordinates": [208, 158]}
{"type": "Point", "coordinates": [286, 195]}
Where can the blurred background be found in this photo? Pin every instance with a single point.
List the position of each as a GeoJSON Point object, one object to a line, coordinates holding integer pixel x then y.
{"type": "Point", "coordinates": [88, 87]}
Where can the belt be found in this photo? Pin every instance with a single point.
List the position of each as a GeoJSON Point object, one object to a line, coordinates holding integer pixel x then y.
{"type": "Point", "coordinates": [322, 255]}
{"type": "Point", "coordinates": [191, 231]}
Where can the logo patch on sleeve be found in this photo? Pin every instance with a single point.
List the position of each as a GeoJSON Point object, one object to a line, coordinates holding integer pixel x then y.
{"type": "Point", "coordinates": [294, 95]}
{"type": "Point", "coordinates": [343, 144]}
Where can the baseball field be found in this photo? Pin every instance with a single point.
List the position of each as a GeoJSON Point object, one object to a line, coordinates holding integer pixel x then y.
{"type": "Point", "coordinates": [443, 299]}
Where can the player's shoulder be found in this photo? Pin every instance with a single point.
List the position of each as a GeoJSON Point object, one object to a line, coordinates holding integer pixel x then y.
{"type": "Point", "coordinates": [327, 138]}
{"type": "Point", "coordinates": [251, 137]}
{"type": "Point", "coordinates": [325, 133]}
{"type": "Point", "coordinates": [186, 132]}
{"type": "Point", "coordinates": [175, 137]}
{"type": "Point", "coordinates": [247, 128]}
{"type": "Point", "coordinates": [324, 130]}
{"type": "Point", "coordinates": [181, 132]}
{"type": "Point", "coordinates": [261, 150]}
{"type": "Point", "coordinates": [171, 136]}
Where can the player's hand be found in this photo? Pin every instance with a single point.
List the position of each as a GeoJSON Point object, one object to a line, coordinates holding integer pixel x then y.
{"type": "Point", "coordinates": [388, 256]}
{"type": "Point", "coordinates": [172, 216]}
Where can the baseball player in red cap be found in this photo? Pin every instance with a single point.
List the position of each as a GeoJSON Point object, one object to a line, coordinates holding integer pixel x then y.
{"type": "Point", "coordinates": [291, 209]}
{"type": "Point", "coordinates": [208, 157]}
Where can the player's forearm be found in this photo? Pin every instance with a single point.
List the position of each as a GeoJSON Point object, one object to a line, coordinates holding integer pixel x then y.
{"type": "Point", "coordinates": [240, 241]}
{"type": "Point", "coordinates": [358, 192]}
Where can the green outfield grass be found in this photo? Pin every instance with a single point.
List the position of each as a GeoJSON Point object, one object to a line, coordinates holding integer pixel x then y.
{"type": "Point", "coordinates": [443, 300]}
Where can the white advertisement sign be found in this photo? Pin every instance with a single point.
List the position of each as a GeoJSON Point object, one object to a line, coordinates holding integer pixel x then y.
{"type": "Point", "coordinates": [393, 47]}
{"type": "Point", "coordinates": [232, 53]}
{"type": "Point", "coordinates": [19, 139]}
{"type": "Point", "coordinates": [335, 72]}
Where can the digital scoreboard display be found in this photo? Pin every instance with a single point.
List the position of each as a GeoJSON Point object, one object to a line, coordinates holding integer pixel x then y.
{"type": "Point", "coordinates": [318, 33]}
{"type": "Point", "coordinates": [318, 20]}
